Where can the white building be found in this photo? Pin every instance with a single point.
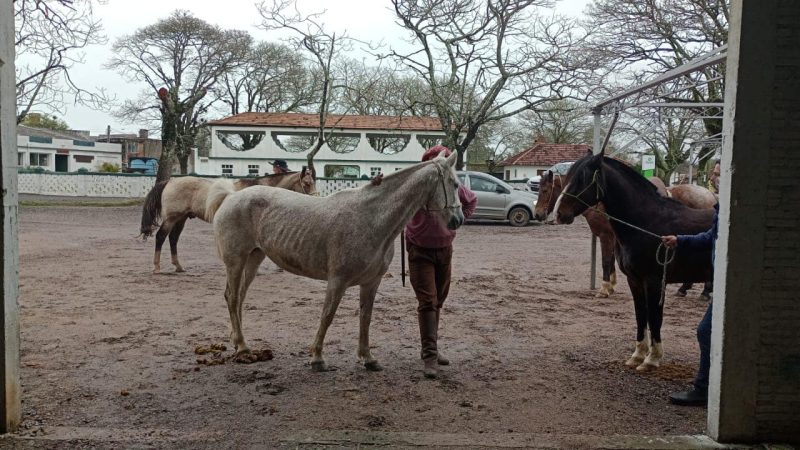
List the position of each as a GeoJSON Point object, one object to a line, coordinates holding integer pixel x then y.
{"type": "Point", "coordinates": [63, 152]}
{"type": "Point", "coordinates": [246, 143]}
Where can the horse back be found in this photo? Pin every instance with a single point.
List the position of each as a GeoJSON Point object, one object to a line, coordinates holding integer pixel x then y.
{"type": "Point", "coordinates": [185, 196]}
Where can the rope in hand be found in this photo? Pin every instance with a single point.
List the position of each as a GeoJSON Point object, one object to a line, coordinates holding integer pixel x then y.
{"type": "Point", "coordinates": [669, 253]}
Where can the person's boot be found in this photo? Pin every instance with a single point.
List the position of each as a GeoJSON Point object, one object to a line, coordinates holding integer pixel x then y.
{"type": "Point", "coordinates": [427, 335]}
{"type": "Point", "coordinates": [440, 359]}
{"type": "Point", "coordinates": [693, 397]}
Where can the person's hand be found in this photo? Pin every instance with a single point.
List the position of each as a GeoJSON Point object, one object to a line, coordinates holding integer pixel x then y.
{"type": "Point", "coordinates": [670, 241]}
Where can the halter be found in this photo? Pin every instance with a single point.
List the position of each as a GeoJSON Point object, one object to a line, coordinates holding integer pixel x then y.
{"type": "Point", "coordinates": [444, 189]}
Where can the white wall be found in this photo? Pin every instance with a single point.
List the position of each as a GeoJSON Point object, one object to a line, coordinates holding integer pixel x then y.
{"type": "Point", "coordinates": [101, 152]}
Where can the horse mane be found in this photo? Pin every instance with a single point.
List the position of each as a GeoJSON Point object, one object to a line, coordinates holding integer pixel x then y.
{"type": "Point", "coordinates": [641, 182]}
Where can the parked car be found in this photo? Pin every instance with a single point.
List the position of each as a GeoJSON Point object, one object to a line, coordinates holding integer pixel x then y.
{"type": "Point", "coordinates": [497, 200]}
{"type": "Point", "coordinates": [141, 164]}
{"type": "Point", "coordinates": [562, 168]}
{"type": "Point", "coordinates": [533, 183]}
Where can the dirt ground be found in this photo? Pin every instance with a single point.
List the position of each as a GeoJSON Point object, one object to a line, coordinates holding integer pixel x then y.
{"type": "Point", "coordinates": [108, 345]}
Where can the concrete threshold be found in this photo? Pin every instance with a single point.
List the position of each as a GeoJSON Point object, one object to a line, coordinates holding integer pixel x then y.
{"type": "Point", "coordinates": [357, 438]}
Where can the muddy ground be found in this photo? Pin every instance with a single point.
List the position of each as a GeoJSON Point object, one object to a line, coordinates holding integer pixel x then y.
{"type": "Point", "coordinates": [107, 345]}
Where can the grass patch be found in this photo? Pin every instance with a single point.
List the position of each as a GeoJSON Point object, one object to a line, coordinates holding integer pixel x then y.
{"type": "Point", "coordinates": [84, 203]}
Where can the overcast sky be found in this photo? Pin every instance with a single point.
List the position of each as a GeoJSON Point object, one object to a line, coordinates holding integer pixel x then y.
{"type": "Point", "coordinates": [370, 20]}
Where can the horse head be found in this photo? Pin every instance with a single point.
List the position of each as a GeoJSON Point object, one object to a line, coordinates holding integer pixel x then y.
{"type": "Point", "coordinates": [307, 183]}
{"type": "Point", "coordinates": [444, 200]}
{"type": "Point", "coordinates": [549, 191]}
{"type": "Point", "coordinates": [583, 187]}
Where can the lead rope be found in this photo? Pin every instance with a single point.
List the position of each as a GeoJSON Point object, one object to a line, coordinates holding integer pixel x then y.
{"type": "Point", "coordinates": [669, 253]}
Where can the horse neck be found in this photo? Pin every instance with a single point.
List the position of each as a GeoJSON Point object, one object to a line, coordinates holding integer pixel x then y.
{"type": "Point", "coordinates": [623, 199]}
{"type": "Point", "coordinates": [401, 194]}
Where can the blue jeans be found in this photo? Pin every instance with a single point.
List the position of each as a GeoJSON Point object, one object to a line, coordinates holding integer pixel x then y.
{"type": "Point", "coordinates": [704, 340]}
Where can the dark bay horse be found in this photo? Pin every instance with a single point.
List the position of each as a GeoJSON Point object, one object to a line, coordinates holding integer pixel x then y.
{"type": "Point", "coordinates": [690, 195]}
{"type": "Point", "coordinates": [171, 202]}
{"type": "Point", "coordinates": [640, 215]}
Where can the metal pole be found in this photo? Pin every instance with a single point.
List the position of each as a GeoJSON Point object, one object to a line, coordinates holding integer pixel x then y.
{"type": "Point", "coordinates": [595, 149]}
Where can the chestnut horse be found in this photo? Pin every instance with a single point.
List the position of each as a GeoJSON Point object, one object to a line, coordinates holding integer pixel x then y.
{"type": "Point", "coordinates": [550, 185]}
{"type": "Point", "coordinates": [178, 199]}
{"type": "Point", "coordinates": [639, 217]}
{"type": "Point", "coordinates": [346, 239]}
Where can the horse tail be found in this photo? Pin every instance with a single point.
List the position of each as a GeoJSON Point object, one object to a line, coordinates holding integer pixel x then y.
{"type": "Point", "coordinates": [151, 210]}
{"type": "Point", "coordinates": [217, 193]}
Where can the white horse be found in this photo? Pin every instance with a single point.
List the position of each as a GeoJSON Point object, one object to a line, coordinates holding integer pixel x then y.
{"type": "Point", "coordinates": [346, 238]}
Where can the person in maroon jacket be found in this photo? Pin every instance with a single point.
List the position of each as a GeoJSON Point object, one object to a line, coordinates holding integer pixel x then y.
{"type": "Point", "coordinates": [430, 251]}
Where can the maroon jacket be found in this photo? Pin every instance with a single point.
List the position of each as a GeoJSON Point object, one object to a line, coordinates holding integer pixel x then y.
{"type": "Point", "coordinates": [427, 231]}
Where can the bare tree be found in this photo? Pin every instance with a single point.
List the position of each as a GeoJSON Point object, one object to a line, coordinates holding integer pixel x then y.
{"type": "Point", "coordinates": [668, 144]}
{"type": "Point", "coordinates": [49, 39]}
{"type": "Point", "coordinates": [559, 122]}
{"type": "Point", "coordinates": [308, 34]}
{"type": "Point", "coordinates": [487, 60]}
{"type": "Point", "coordinates": [180, 59]}
{"type": "Point", "coordinates": [271, 78]}
{"type": "Point", "coordinates": [652, 36]}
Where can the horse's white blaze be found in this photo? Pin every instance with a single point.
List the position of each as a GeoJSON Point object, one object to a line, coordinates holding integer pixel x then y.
{"type": "Point", "coordinates": [558, 200]}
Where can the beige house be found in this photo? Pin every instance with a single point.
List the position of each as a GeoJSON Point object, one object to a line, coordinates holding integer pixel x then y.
{"type": "Point", "coordinates": [357, 147]}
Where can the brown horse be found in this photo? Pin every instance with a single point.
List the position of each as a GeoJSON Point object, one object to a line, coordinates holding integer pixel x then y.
{"type": "Point", "coordinates": [171, 202]}
{"type": "Point", "coordinates": [550, 188]}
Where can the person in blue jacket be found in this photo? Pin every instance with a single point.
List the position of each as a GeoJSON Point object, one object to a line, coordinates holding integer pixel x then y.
{"type": "Point", "coordinates": [698, 395]}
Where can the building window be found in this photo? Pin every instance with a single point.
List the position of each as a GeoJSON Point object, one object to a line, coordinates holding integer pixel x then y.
{"type": "Point", "coordinates": [253, 169]}
{"type": "Point", "coordinates": [39, 159]}
{"type": "Point", "coordinates": [373, 171]}
{"type": "Point", "coordinates": [342, 171]}
{"type": "Point", "coordinates": [240, 140]}
{"type": "Point", "coordinates": [227, 169]}
{"type": "Point", "coordinates": [508, 174]}
{"type": "Point", "coordinates": [132, 147]}
{"type": "Point", "coordinates": [83, 158]}
{"type": "Point", "coordinates": [21, 159]}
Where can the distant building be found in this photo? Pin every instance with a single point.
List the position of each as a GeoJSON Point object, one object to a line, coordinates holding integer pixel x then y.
{"type": "Point", "coordinates": [133, 145]}
{"type": "Point", "coordinates": [245, 144]}
{"type": "Point", "coordinates": [59, 151]}
{"type": "Point", "coordinates": [541, 156]}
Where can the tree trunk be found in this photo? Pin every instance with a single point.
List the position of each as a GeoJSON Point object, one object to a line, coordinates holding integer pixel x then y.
{"type": "Point", "coordinates": [183, 160]}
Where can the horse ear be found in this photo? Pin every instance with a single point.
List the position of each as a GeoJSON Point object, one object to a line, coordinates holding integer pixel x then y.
{"type": "Point", "coordinates": [303, 172]}
{"type": "Point", "coordinates": [452, 159]}
{"type": "Point", "coordinates": [548, 175]}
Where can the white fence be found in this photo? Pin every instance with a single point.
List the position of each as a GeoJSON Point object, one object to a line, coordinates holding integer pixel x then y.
{"type": "Point", "coordinates": [134, 185]}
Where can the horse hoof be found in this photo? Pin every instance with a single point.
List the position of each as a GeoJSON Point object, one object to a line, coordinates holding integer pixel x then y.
{"type": "Point", "coordinates": [601, 294]}
{"type": "Point", "coordinates": [245, 358]}
{"type": "Point", "coordinates": [373, 366]}
{"type": "Point", "coordinates": [634, 362]}
{"type": "Point", "coordinates": [320, 366]}
{"type": "Point", "coordinates": [179, 270]}
{"type": "Point", "coordinates": [646, 367]}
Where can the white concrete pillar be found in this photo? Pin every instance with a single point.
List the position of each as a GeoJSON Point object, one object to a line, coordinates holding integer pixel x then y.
{"type": "Point", "coordinates": [10, 406]}
{"type": "Point", "coordinates": [754, 391]}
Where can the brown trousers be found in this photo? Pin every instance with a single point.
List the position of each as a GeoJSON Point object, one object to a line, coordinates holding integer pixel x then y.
{"type": "Point", "coordinates": [429, 272]}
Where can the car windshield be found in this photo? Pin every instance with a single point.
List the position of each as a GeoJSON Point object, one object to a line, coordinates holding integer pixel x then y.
{"type": "Point", "coordinates": [561, 168]}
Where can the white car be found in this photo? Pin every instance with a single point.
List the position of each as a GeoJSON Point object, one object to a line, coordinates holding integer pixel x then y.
{"type": "Point", "coordinates": [498, 200]}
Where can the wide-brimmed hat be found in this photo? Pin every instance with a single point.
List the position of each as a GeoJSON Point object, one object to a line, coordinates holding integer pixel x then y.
{"type": "Point", "coordinates": [281, 164]}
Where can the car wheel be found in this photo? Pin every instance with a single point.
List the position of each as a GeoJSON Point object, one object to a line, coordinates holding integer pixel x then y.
{"type": "Point", "coordinates": [519, 217]}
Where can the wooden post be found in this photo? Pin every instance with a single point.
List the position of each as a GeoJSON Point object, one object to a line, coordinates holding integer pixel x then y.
{"type": "Point", "coordinates": [10, 405]}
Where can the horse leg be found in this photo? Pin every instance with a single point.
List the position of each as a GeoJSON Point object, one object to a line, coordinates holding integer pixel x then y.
{"type": "Point", "coordinates": [367, 298]}
{"type": "Point", "coordinates": [707, 288]}
{"type": "Point", "coordinates": [256, 257]}
{"type": "Point", "coordinates": [173, 243]}
{"type": "Point", "coordinates": [607, 256]}
{"type": "Point", "coordinates": [161, 235]}
{"type": "Point", "coordinates": [333, 296]}
{"type": "Point", "coordinates": [640, 305]}
{"type": "Point", "coordinates": [655, 317]}
{"type": "Point", "coordinates": [233, 291]}
{"type": "Point", "coordinates": [681, 292]}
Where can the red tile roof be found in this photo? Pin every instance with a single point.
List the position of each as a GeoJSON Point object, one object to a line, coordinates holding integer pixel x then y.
{"type": "Point", "coordinates": [544, 154]}
{"type": "Point", "coordinates": [298, 120]}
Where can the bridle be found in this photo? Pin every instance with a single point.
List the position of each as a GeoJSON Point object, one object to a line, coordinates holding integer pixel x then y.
{"type": "Point", "coordinates": [447, 204]}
